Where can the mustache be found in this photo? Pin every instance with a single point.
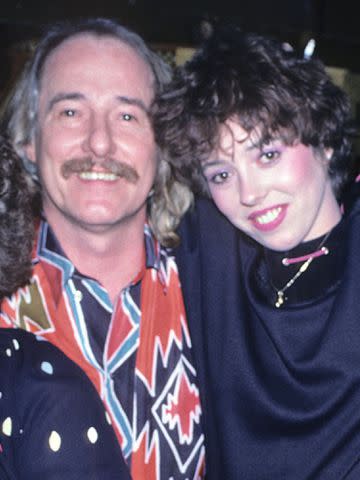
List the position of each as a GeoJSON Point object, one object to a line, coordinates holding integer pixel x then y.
{"type": "Point", "coordinates": [79, 165]}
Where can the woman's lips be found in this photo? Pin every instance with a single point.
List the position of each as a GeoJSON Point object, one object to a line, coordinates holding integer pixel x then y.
{"type": "Point", "coordinates": [269, 218]}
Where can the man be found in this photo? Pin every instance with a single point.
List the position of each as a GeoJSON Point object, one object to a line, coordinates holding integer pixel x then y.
{"type": "Point", "coordinates": [34, 374]}
{"type": "Point", "coordinates": [103, 288]}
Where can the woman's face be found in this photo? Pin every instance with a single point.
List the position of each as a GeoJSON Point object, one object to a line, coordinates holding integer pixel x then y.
{"type": "Point", "coordinates": [279, 195]}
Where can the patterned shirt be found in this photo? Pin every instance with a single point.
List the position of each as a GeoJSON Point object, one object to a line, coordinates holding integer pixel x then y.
{"type": "Point", "coordinates": [143, 371]}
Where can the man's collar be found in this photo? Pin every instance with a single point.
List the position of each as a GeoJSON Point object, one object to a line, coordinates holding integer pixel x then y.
{"type": "Point", "coordinates": [49, 249]}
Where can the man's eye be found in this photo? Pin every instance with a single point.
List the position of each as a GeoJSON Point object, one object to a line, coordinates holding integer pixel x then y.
{"type": "Point", "coordinates": [127, 117]}
{"type": "Point", "coordinates": [68, 113]}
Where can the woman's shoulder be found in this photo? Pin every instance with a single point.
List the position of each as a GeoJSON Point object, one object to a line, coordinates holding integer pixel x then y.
{"type": "Point", "coordinates": [350, 202]}
{"type": "Point", "coordinates": [204, 221]}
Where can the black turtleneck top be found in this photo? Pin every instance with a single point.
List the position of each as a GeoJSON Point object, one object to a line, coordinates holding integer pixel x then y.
{"type": "Point", "coordinates": [280, 387]}
{"type": "Point", "coordinates": [321, 277]}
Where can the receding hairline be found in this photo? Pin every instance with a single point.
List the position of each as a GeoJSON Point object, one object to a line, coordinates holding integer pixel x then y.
{"type": "Point", "coordinates": [90, 34]}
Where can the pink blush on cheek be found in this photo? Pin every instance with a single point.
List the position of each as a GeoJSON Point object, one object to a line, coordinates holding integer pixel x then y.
{"type": "Point", "coordinates": [300, 168]}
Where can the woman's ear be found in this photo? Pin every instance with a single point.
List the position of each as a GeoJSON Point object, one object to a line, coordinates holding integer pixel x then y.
{"type": "Point", "coordinates": [328, 153]}
{"type": "Point", "coordinates": [30, 151]}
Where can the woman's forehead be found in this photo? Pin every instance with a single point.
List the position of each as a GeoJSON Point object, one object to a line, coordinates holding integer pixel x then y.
{"type": "Point", "coordinates": [233, 132]}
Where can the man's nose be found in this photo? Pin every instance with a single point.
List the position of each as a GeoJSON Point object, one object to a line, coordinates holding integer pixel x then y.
{"type": "Point", "coordinates": [99, 139]}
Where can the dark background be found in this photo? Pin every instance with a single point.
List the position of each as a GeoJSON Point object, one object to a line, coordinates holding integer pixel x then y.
{"type": "Point", "coordinates": [334, 23]}
{"type": "Point", "coordinates": [168, 24]}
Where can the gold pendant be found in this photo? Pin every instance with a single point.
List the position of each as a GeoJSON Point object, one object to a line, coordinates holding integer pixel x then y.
{"type": "Point", "coordinates": [280, 299]}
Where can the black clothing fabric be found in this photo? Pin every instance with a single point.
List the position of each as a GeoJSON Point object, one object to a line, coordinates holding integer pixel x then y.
{"type": "Point", "coordinates": [53, 424]}
{"type": "Point", "coordinates": [280, 387]}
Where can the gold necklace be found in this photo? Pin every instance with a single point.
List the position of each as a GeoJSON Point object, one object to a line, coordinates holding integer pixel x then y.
{"type": "Point", "coordinates": [321, 250]}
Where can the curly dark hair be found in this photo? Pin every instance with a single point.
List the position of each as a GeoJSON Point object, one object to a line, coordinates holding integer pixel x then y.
{"type": "Point", "coordinates": [17, 207]}
{"type": "Point", "coordinates": [261, 83]}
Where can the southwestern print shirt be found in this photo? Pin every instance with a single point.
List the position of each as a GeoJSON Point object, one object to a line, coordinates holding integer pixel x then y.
{"type": "Point", "coordinates": [136, 352]}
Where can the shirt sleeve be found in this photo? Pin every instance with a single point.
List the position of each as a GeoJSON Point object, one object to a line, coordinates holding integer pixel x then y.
{"type": "Point", "coordinates": [53, 424]}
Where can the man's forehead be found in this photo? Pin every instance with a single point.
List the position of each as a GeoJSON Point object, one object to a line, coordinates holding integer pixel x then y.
{"type": "Point", "coordinates": [97, 57]}
{"type": "Point", "coordinates": [88, 41]}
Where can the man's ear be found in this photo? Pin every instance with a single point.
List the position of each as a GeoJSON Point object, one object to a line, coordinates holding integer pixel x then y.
{"type": "Point", "coordinates": [30, 151]}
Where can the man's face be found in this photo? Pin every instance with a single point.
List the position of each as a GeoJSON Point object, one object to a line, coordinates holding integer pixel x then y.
{"type": "Point", "coordinates": [94, 144]}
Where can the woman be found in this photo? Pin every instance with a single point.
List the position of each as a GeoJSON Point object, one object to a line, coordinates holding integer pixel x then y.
{"type": "Point", "coordinates": [52, 422]}
{"type": "Point", "coordinates": [274, 313]}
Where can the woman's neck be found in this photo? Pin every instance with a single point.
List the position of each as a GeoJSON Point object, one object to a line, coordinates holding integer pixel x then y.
{"type": "Point", "coordinates": [304, 272]}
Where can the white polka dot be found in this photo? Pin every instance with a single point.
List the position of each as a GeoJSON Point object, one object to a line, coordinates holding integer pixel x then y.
{"type": "Point", "coordinates": [7, 427]}
{"type": "Point", "coordinates": [108, 419]}
{"type": "Point", "coordinates": [47, 368]}
{"type": "Point", "coordinates": [16, 344]}
{"type": "Point", "coordinates": [92, 435]}
{"type": "Point", "coordinates": [40, 339]}
{"type": "Point", "coordinates": [54, 441]}
{"type": "Point", "coordinates": [8, 352]}
{"type": "Point", "coordinates": [0, 395]}
{"type": "Point", "coordinates": [78, 295]}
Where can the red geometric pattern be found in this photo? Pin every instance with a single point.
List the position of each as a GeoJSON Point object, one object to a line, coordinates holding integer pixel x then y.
{"type": "Point", "coordinates": [158, 422]}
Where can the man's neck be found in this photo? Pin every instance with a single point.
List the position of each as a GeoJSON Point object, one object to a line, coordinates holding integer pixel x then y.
{"type": "Point", "coordinates": [113, 256]}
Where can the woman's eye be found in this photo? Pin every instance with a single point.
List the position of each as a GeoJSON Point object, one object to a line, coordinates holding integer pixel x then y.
{"type": "Point", "coordinates": [269, 157]}
{"type": "Point", "coordinates": [218, 178]}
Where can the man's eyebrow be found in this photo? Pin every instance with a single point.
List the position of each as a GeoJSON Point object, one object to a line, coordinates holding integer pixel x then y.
{"type": "Point", "coordinates": [133, 101]}
{"type": "Point", "coordinates": [63, 96]}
